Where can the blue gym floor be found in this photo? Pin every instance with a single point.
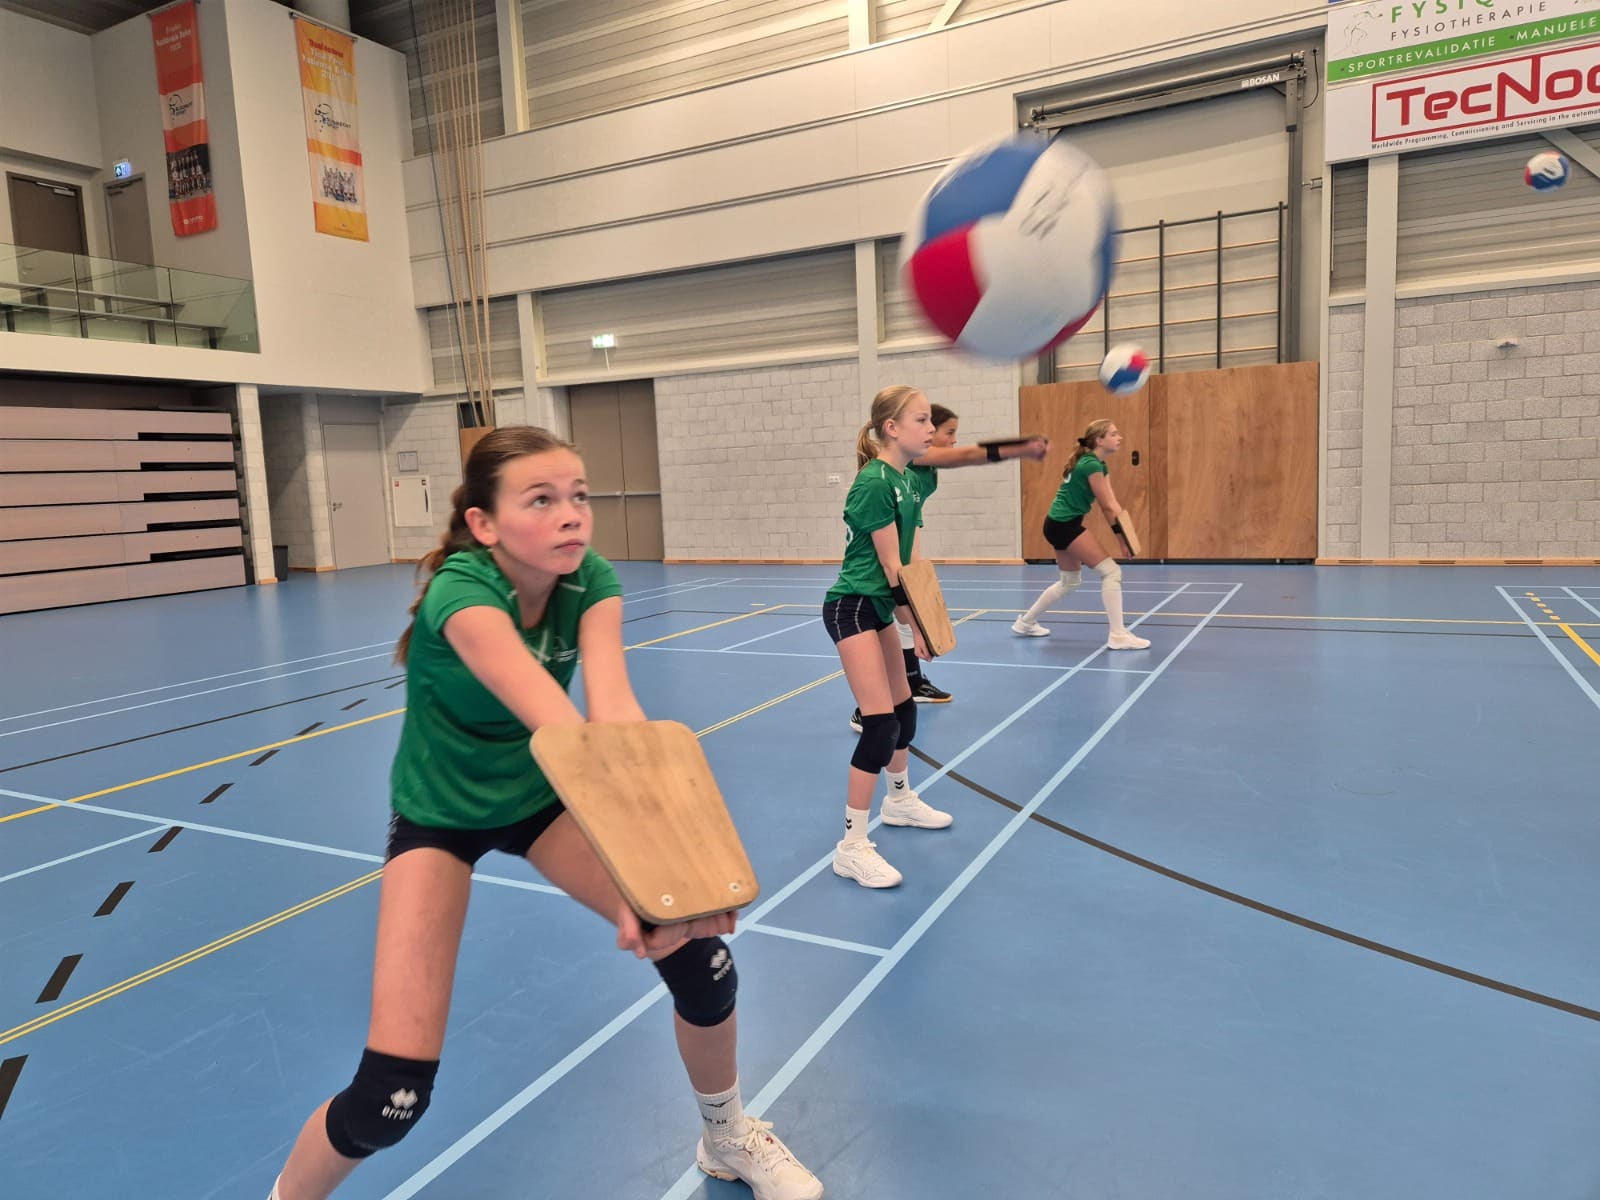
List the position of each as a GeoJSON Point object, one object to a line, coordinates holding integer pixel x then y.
{"type": "Point", "coordinates": [1301, 902]}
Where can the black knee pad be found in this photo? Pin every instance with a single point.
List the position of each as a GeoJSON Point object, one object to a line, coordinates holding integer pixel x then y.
{"type": "Point", "coordinates": [381, 1104]}
{"type": "Point", "coordinates": [876, 747]}
{"type": "Point", "coordinates": [906, 713]}
{"type": "Point", "coordinates": [701, 977]}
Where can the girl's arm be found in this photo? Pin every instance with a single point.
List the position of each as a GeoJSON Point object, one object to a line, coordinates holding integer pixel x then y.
{"type": "Point", "coordinates": [606, 689]}
{"type": "Point", "coordinates": [976, 456]}
{"type": "Point", "coordinates": [1100, 485]}
{"type": "Point", "coordinates": [492, 649]}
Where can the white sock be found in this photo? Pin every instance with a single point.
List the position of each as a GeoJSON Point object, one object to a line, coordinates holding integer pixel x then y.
{"type": "Point", "coordinates": [1046, 598]}
{"type": "Point", "coordinates": [1070, 582]}
{"type": "Point", "coordinates": [1111, 594]}
{"type": "Point", "coordinates": [722, 1113]}
{"type": "Point", "coordinates": [855, 823]}
{"type": "Point", "coordinates": [899, 783]}
{"type": "Point", "coordinates": [275, 1183]}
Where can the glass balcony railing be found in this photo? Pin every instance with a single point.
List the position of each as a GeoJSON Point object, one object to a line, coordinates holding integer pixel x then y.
{"type": "Point", "coordinates": [73, 295]}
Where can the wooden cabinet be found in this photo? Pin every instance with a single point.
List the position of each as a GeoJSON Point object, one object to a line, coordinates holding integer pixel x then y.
{"type": "Point", "coordinates": [1214, 464]}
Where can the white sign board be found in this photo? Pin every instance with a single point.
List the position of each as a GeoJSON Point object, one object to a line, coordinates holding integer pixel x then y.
{"type": "Point", "coordinates": [413, 506]}
{"type": "Point", "coordinates": [1421, 73]}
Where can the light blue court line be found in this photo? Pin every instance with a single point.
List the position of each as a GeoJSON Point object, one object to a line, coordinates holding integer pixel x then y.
{"type": "Point", "coordinates": [1574, 594]}
{"type": "Point", "coordinates": [167, 687]}
{"type": "Point", "coordinates": [263, 839]}
{"type": "Point", "coordinates": [815, 939]}
{"type": "Point", "coordinates": [484, 1128]}
{"type": "Point", "coordinates": [692, 1179]}
{"type": "Point", "coordinates": [56, 862]}
{"type": "Point", "coordinates": [763, 637]}
{"type": "Point", "coordinates": [1566, 663]}
{"type": "Point", "coordinates": [227, 687]}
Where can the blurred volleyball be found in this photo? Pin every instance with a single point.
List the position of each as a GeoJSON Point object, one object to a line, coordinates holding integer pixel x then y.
{"type": "Point", "coordinates": [1125, 369]}
{"type": "Point", "coordinates": [1011, 250]}
{"type": "Point", "coordinates": [1546, 171]}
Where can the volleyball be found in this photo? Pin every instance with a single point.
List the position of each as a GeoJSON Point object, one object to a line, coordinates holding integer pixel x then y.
{"type": "Point", "coordinates": [1546, 171]}
{"type": "Point", "coordinates": [1125, 369]}
{"type": "Point", "coordinates": [1011, 249]}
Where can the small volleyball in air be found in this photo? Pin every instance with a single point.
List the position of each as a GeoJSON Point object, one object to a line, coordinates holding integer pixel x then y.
{"type": "Point", "coordinates": [1546, 171]}
{"type": "Point", "coordinates": [1010, 251]}
{"type": "Point", "coordinates": [1125, 369]}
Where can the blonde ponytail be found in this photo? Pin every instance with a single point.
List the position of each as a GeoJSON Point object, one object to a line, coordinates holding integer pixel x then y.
{"type": "Point", "coordinates": [887, 406]}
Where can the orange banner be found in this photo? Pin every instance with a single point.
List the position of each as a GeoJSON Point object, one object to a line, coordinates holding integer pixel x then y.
{"type": "Point", "coordinates": [328, 94]}
{"type": "Point", "coordinates": [183, 119]}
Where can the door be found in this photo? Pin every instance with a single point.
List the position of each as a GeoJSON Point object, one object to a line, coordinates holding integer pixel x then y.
{"type": "Point", "coordinates": [1061, 412]}
{"type": "Point", "coordinates": [47, 214]}
{"type": "Point", "coordinates": [354, 458]}
{"type": "Point", "coordinates": [614, 428]}
{"type": "Point", "coordinates": [1242, 479]}
{"type": "Point", "coordinates": [128, 212]}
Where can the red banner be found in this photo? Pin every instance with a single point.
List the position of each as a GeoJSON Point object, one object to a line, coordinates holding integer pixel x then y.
{"type": "Point", "coordinates": [183, 119]}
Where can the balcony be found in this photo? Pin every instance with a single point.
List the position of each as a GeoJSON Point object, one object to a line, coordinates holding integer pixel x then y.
{"type": "Point", "coordinates": [72, 295]}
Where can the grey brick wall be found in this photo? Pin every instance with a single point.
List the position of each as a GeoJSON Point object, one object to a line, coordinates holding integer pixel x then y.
{"type": "Point", "coordinates": [746, 456]}
{"type": "Point", "coordinates": [1346, 344]}
{"type": "Point", "coordinates": [1497, 452]}
{"type": "Point", "coordinates": [428, 427]}
{"type": "Point", "coordinates": [283, 436]}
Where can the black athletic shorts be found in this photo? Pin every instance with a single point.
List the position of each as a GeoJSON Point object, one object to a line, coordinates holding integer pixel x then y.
{"type": "Point", "coordinates": [1061, 534]}
{"type": "Point", "coordinates": [469, 845]}
{"type": "Point", "coordinates": [850, 615]}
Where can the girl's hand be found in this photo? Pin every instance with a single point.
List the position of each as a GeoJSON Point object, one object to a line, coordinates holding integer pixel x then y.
{"type": "Point", "coordinates": [919, 646]}
{"type": "Point", "coordinates": [632, 936]}
{"type": "Point", "coordinates": [1036, 448]}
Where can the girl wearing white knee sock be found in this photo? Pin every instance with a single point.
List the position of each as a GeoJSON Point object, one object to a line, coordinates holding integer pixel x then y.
{"type": "Point", "coordinates": [1083, 484]}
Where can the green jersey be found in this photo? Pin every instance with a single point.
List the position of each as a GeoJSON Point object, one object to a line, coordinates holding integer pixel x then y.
{"type": "Point", "coordinates": [1075, 497]}
{"type": "Point", "coordinates": [927, 483]}
{"type": "Point", "coordinates": [463, 761]}
{"type": "Point", "coordinates": [879, 496]}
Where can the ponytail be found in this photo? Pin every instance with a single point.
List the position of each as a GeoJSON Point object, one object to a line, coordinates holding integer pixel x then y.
{"type": "Point", "coordinates": [887, 406]}
{"type": "Point", "coordinates": [866, 446]}
{"type": "Point", "coordinates": [480, 483]}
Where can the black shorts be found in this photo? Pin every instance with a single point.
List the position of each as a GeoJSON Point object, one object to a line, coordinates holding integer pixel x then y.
{"type": "Point", "coordinates": [1061, 534]}
{"type": "Point", "coordinates": [850, 615]}
{"type": "Point", "coordinates": [469, 845]}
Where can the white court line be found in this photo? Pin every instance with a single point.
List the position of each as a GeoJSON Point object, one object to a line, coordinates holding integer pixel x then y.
{"type": "Point", "coordinates": [763, 637]}
{"type": "Point", "coordinates": [464, 1145]}
{"type": "Point", "coordinates": [691, 1179]}
{"type": "Point", "coordinates": [787, 580]}
{"type": "Point", "coordinates": [938, 662]}
{"type": "Point", "coordinates": [667, 587]}
{"type": "Point", "coordinates": [1019, 585]}
{"type": "Point", "coordinates": [261, 838]}
{"type": "Point", "coordinates": [56, 862]}
{"type": "Point", "coordinates": [167, 687]}
{"type": "Point", "coordinates": [815, 939]}
{"type": "Point", "coordinates": [1566, 663]}
{"type": "Point", "coordinates": [227, 687]}
{"type": "Point", "coordinates": [1574, 594]}
{"type": "Point", "coordinates": [674, 594]}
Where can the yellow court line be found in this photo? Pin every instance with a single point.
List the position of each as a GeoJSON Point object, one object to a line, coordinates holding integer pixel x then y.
{"type": "Point", "coordinates": [1583, 645]}
{"type": "Point", "coordinates": [1095, 612]}
{"type": "Point", "coordinates": [116, 989]}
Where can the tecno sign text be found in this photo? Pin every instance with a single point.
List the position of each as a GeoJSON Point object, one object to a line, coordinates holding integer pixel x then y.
{"type": "Point", "coordinates": [1505, 92]}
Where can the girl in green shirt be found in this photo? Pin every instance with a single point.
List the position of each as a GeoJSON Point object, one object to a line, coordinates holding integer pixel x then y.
{"type": "Point", "coordinates": [881, 513]}
{"type": "Point", "coordinates": [1084, 483]}
{"type": "Point", "coordinates": [511, 600]}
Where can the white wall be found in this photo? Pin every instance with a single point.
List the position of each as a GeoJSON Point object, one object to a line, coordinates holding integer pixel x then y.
{"type": "Point", "coordinates": [428, 428]}
{"type": "Point", "coordinates": [333, 314]}
{"type": "Point", "coordinates": [828, 153]}
{"type": "Point", "coordinates": [48, 120]}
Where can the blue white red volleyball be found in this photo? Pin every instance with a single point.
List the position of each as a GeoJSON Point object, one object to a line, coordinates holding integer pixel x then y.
{"type": "Point", "coordinates": [1011, 250]}
{"type": "Point", "coordinates": [1125, 369]}
{"type": "Point", "coordinates": [1546, 171]}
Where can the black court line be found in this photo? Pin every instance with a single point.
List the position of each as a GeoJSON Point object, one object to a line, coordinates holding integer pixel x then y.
{"type": "Point", "coordinates": [58, 981]}
{"type": "Point", "coordinates": [109, 904]}
{"type": "Point", "coordinates": [1353, 939]}
{"type": "Point", "coordinates": [216, 793]}
{"type": "Point", "coordinates": [143, 737]}
{"type": "Point", "coordinates": [258, 761]}
{"type": "Point", "coordinates": [165, 839]}
{"type": "Point", "coordinates": [353, 704]}
{"type": "Point", "coordinates": [395, 684]}
{"type": "Point", "coordinates": [309, 728]}
{"type": "Point", "coordinates": [10, 1072]}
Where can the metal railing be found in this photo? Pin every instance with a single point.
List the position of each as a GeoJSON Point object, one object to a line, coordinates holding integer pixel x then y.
{"type": "Point", "coordinates": [1191, 296]}
{"type": "Point", "coordinates": [73, 295]}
